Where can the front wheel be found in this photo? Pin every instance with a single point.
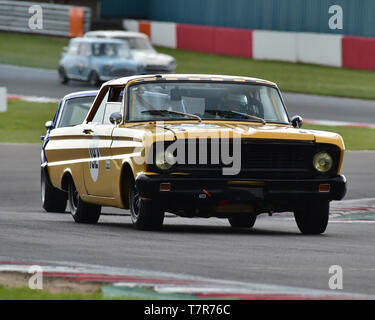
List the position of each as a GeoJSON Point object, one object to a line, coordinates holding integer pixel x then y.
{"type": "Point", "coordinates": [312, 218]}
{"type": "Point", "coordinates": [82, 212]}
{"type": "Point", "coordinates": [145, 214]}
{"type": "Point", "coordinates": [63, 78]}
{"type": "Point", "coordinates": [240, 220]}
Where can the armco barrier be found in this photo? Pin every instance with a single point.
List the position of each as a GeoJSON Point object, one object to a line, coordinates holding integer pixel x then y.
{"type": "Point", "coordinates": [58, 20]}
{"type": "Point", "coordinates": [358, 53]}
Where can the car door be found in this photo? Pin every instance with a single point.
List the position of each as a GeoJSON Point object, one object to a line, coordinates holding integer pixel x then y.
{"type": "Point", "coordinates": [98, 133]}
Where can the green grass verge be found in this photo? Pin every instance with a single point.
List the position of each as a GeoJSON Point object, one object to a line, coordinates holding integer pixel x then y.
{"type": "Point", "coordinates": [31, 50]}
{"type": "Point", "coordinates": [45, 52]}
{"type": "Point", "coordinates": [354, 138]}
{"type": "Point", "coordinates": [24, 293]}
{"type": "Point", "coordinates": [24, 123]}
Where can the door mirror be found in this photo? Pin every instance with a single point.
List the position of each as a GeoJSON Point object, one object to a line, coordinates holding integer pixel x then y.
{"type": "Point", "coordinates": [115, 118]}
{"type": "Point", "coordinates": [49, 125]}
{"type": "Point", "coordinates": [297, 121]}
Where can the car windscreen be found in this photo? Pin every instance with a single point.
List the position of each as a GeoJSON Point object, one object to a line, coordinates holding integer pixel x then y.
{"type": "Point", "coordinates": [208, 100]}
{"type": "Point", "coordinates": [75, 111]}
{"type": "Point", "coordinates": [136, 43]}
{"type": "Point", "coordinates": [119, 50]}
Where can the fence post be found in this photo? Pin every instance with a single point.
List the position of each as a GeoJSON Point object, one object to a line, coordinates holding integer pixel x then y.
{"type": "Point", "coordinates": [3, 99]}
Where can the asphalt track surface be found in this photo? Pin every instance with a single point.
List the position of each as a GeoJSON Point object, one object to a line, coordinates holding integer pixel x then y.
{"type": "Point", "coordinates": [274, 252]}
{"type": "Point", "coordinates": [40, 82]}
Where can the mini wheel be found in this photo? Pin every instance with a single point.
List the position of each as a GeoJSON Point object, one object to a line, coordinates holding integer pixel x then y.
{"type": "Point", "coordinates": [94, 79]}
{"type": "Point", "coordinates": [63, 78]}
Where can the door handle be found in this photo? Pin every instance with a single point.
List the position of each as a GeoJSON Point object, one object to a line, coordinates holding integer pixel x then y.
{"type": "Point", "coordinates": [87, 131]}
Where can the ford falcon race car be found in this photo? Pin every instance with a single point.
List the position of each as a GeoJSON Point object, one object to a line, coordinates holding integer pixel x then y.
{"type": "Point", "coordinates": [195, 146]}
{"type": "Point", "coordinates": [72, 110]}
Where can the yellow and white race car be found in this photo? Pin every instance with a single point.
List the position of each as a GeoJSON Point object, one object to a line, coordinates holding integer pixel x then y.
{"type": "Point", "coordinates": [195, 146]}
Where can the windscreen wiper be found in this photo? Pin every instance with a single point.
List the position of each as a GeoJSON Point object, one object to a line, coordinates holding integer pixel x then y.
{"type": "Point", "coordinates": [163, 111]}
{"type": "Point", "coordinates": [238, 113]}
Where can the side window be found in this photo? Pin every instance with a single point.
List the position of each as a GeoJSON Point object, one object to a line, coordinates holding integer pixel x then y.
{"type": "Point", "coordinates": [110, 108]}
{"type": "Point", "coordinates": [99, 115]}
{"type": "Point", "coordinates": [75, 111]}
{"type": "Point", "coordinates": [114, 103]}
{"type": "Point", "coordinates": [84, 50]}
{"type": "Point", "coordinates": [116, 94]}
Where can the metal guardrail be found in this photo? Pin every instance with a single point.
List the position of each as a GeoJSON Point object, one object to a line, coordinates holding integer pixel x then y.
{"type": "Point", "coordinates": [14, 16]}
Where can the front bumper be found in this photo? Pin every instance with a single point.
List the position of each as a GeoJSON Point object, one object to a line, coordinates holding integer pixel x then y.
{"type": "Point", "coordinates": [188, 190]}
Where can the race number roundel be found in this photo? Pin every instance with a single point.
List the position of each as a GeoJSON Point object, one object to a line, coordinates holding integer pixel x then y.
{"type": "Point", "coordinates": [94, 159]}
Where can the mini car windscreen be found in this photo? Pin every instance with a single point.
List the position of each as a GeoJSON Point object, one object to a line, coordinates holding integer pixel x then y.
{"type": "Point", "coordinates": [118, 50]}
{"type": "Point", "coordinates": [138, 43]}
{"type": "Point", "coordinates": [162, 101]}
{"type": "Point", "coordinates": [75, 111]}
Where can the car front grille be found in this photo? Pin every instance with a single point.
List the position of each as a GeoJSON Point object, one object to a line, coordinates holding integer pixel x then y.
{"type": "Point", "coordinates": [260, 158]}
{"type": "Point", "coordinates": [156, 69]}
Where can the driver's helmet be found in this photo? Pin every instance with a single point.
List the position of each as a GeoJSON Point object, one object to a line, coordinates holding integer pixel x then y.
{"type": "Point", "coordinates": [238, 102]}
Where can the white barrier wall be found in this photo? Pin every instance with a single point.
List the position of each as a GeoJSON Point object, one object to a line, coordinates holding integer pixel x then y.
{"type": "Point", "coordinates": [314, 48]}
{"type": "Point", "coordinates": [323, 49]}
{"type": "Point", "coordinates": [130, 25]}
{"type": "Point", "coordinates": [164, 34]}
{"type": "Point", "coordinates": [274, 45]}
{"type": "Point", "coordinates": [3, 99]}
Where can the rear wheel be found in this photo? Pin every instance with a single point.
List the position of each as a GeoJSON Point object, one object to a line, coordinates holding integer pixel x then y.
{"type": "Point", "coordinates": [312, 218]}
{"type": "Point", "coordinates": [81, 211]}
{"type": "Point", "coordinates": [240, 220]}
{"type": "Point", "coordinates": [53, 200]}
{"type": "Point", "coordinates": [145, 214]}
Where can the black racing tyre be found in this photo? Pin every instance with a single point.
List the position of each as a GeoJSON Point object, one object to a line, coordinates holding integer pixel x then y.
{"type": "Point", "coordinates": [94, 79]}
{"type": "Point", "coordinates": [82, 212]}
{"type": "Point", "coordinates": [63, 78]}
{"type": "Point", "coordinates": [312, 218]}
{"type": "Point", "coordinates": [240, 220]}
{"type": "Point", "coordinates": [53, 199]}
{"type": "Point", "coordinates": [145, 214]}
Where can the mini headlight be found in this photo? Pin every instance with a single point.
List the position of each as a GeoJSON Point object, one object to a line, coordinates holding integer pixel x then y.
{"type": "Point", "coordinates": [322, 162]}
{"type": "Point", "coordinates": [164, 160]}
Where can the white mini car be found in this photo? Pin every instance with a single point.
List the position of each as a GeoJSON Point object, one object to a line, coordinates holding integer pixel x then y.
{"type": "Point", "coordinates": [141, 49]}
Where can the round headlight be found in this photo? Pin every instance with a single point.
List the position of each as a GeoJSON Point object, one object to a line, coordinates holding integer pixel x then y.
{"type": "Point", "coordinates": [164, 160]}
{"type": "Point", "coordinates": [323, 162]}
